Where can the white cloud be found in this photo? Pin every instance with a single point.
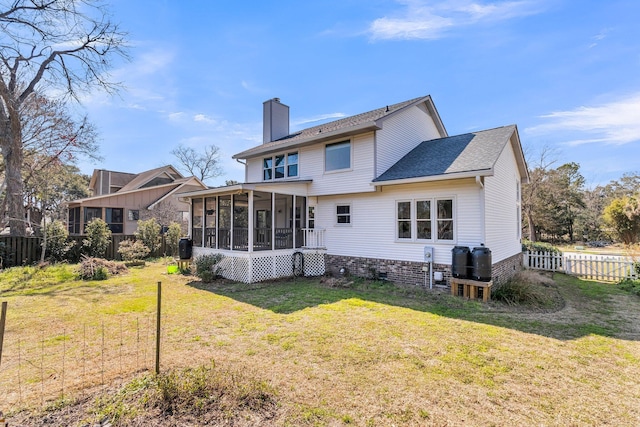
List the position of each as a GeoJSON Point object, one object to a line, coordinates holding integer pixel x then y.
{"type": "Point", "coordinates": [600, 36]}
{"type": "Point", "coordinates": [424, 19]}
{"type": "Point", "coordinates": [203, 118]}
{"type": "Point", "coordinates": [617, 122]}
{"type": "Point", "coordinates": [177, 116]}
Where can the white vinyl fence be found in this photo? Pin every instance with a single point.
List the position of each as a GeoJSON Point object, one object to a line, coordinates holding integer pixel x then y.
{"type": "Point", "coordinates": [596, 267]}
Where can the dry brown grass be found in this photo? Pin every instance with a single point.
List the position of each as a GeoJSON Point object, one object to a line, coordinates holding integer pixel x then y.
{"type": "Point", "coordinates": [361, 355]}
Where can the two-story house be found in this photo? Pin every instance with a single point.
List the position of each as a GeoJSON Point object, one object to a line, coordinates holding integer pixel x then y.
{"type": "Point", "coordinates": [369, 195]}
{"type": "Point", "coordinates": [121, 199]}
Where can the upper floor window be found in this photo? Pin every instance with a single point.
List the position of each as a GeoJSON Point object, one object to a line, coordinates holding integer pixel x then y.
{"type": "Point", "coordinates": [280, 166]}
{"type": "Point", "coordinates": [337, 156]}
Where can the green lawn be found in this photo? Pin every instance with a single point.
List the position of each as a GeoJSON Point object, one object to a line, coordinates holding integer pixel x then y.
{"type": "Point", "coordinates": [357, 353]}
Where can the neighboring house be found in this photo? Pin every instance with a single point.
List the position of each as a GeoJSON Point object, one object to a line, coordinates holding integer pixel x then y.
{"type": "Point", "coordinates": [121, 199]}
{"type": "Point", "coordinates": [368, 195]}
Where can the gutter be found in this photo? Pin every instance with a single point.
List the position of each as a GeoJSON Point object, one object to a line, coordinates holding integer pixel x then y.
{"type": "Point", "coordinates": [276, 146]}
{"type": "Point", "coordinates": [456, 175]}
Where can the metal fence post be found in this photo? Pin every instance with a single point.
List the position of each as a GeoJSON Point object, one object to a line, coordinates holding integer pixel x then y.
{"type": "Point", "coordinates": [158, 328]}
{"type": "Point", "coordinates": [3, 318]}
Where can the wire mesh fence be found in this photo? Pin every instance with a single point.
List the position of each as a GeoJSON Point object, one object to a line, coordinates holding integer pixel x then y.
{"type": "Point", "coordinates": [58, 359]}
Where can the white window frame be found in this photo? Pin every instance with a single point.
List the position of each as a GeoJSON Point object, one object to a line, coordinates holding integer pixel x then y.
{"type": "Point", "coordinates": [436, 219]}
{"type": "Point", "coordinates": [430, 220]}
{"type": "Point", "coordinates": [433, 218]}
{"type": "Point", "coordinates": [349, 215]}
{"type": "Point", "coordinates": [324, 156]}
{"type": "Point", "coordinates": [311, 216]}
{"type": "Point", "coordinates": [285, 166]}
{"type": "Point", "coordinates": [411, 221]}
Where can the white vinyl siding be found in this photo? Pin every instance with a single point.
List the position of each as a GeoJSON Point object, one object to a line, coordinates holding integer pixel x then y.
{"type": "Point", "coordinates": [417, 221]}
{"type": "Point", "coordinates": [400, 134]}
{"type": "Point", "coordinates": [311, 164]}
{"type": "Point", "coordinates": [501, 201]}
{"type": "Point", "coordinates": [357, 179]}
{"type": "Point", "coordinates": [373, 230]}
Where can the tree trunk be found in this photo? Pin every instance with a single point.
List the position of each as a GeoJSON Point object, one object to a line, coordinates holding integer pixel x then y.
{"type": "Point", "coordinates": [11, 141]}
{"type": "Point", "coordinates": [532, 228]}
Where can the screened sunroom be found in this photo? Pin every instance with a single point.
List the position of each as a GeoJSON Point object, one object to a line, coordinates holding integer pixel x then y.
{"type": "Point", "coordinates": [260, 233]}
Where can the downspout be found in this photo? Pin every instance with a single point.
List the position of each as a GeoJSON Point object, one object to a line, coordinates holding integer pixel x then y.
{"type": "Point", "coordinates": [245, 168]}
{"type": "Point", "coordinates": [482, 209]}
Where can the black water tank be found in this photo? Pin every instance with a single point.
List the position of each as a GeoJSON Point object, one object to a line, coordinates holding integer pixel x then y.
{"type": "Point", "coordinates": [481, 264]}
{"type": "Point", "coordinates": [460, 262]}
{"type": "Point", "coordinates": [184, 248]}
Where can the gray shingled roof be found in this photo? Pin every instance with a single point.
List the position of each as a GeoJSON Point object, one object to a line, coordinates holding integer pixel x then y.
{"type": "Point", "coordinates": [334, 126]}
{"type": "Point", "coordinates": [476, 151]}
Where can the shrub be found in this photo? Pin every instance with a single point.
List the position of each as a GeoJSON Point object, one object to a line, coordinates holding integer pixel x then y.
{"type": "Point", "coordinates": [132, 251]}
{"type": "Point", "coordinates": [149, 234]}
{"type": "Point", "coordinates": [630, 285]}
{"type": "Point", "coordinates": [208, 267]}
{"type": "Point", "coordinates": [172, 238]}
{"type": "Point", "coordinates": [98, 268]}
{"type": "Point", "coordinates": [522, 289]}
{"type": "Point", "coordinates": [528, 245]}
{"type": "Point", "coordinates": [98, 238]}
{"type": "Point", "coordinates": [57, 246]}
{"type": "Point", "coordinates": [4, 255]}
{"type": "Point", "coordinates": [205, 393]}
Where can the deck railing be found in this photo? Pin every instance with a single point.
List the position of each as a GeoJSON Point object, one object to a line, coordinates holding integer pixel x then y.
{"type": "Point", "coordinates": [314, 238]}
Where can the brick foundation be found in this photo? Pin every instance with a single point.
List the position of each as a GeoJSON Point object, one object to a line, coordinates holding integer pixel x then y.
{"type": "Point", "coordinates": [506, 269]}
{"type": "Point", "coordinates": [409, 272]}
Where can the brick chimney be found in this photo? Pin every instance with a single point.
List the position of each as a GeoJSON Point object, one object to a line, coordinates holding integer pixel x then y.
{"type": "Point", "coordinates": [275, 120]}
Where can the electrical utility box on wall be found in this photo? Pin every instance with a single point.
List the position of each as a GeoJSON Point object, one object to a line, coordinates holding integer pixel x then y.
{"type": "Point", "coordinates": [428, 254]}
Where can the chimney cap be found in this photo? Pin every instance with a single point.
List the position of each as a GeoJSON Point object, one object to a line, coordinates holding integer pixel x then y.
{"type": "Point", "coordinates": [276, 99]}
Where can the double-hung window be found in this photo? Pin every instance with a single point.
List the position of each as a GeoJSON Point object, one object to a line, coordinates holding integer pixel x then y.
{"type": "Point", "coordinates": [280, 166]}
{"type": "Point", "coordinates": [343, 214]}
{"type": "Point", "coordinates": [416, 220]}
{"type": "Point", "coordinates": [423, 219]}
{"type": "Point", "coordinates": [337, 156]}
{"type": "Point", "coordinates": [404, 220]}
{"type": "Point", "coordinates": [445, 219]}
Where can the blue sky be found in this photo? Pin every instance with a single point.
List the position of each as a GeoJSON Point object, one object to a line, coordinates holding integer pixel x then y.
{"type": "Point", "coordinates": [566, 72]}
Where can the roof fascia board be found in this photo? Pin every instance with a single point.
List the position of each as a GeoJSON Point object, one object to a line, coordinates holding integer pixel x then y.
{"type": "Point", "coordinates": [432, 178]}
{"type": "Point", "coordinates": [431, 108]}
{"type": "Point", "coordinates": [228, 189]}
{"type": "Point", "coordinates": [174, 191]}
{"type": "Point", "coordinates": [322, 137]}
{"type": "Point", "coordinates": [520, 159]}
{"type": "Point", "coordinates": [436, 117]}
{"type": "Point", "coordinates": [90, 199]}
{"type": "Point", "coordinates": [247, 186]}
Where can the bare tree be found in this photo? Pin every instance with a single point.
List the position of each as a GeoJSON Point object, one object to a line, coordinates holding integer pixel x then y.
{"type": "Point", "coordinates": [63, 46]}
{"type": "Point", "coordinates": [204, 165]}
{"type": "Point", "coordinates": [532, 190]}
